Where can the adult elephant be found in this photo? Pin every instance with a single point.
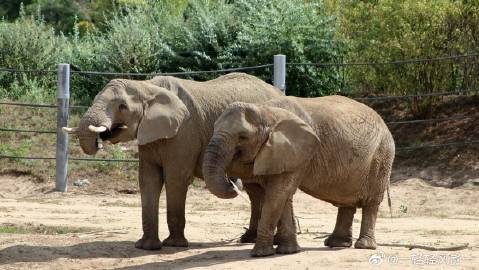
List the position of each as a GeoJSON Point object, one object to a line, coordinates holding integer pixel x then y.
{"type": "Point", "coordinates": [333, 148]}
{"type": "Point", "coordinates": [173, 120]}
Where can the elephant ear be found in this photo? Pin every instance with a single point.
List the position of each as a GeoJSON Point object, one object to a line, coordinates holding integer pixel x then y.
{"type": "Point", "coordinates": [162, 118]}
{"type": "Point", "coordinates": [291, 144]}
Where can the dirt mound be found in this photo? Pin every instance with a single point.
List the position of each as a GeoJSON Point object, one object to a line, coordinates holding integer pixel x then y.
{"type": "Point", "coordinates": [18, 184]}
{"type": "Point", "coordinates": [451, 165]}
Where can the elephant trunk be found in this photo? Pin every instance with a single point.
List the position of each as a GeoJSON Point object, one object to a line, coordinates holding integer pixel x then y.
{"type": "Point", "coordinates": [219, 154]}
{"type": "Point", "coordinates": [95, 116]}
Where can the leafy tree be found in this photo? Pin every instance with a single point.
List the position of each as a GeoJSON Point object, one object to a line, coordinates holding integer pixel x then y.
{"type": "Point", "coordinates": [302, 31]}
{"type": "Point", "coordinates": [392, 30]}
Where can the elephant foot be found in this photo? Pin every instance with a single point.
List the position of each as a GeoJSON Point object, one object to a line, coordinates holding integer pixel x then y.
{"type": "Point", "coordinates": [248, 237]}
{"type": "Point", "coordinates": [179, 241]}
{"type": "Point", "coordinates": [262, 251]}
{"type": "Point", "coordinates": [288, 248]}
{"type": "Point", "coordinates": [148, 243]}
{"type": "Point", "coordinates": [365, 242]}
{"type": "Point", "coordinates": [335, 241]}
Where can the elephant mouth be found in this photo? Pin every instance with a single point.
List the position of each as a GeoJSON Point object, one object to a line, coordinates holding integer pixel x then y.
{"type": "Point", "coordinates": [114, 132]}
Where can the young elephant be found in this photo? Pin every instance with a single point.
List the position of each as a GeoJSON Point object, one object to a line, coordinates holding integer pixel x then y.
{"type": "Point", "coordinates": [333, 148]}
{"type": "Point", "coordinates": [173, 120]}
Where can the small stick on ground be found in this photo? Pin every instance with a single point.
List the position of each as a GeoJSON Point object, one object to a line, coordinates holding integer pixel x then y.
{"type": "Point", "coordinates": [430, 248]}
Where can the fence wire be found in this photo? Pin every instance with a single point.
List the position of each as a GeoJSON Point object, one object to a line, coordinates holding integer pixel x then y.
{"type": "Point", "coordinates": [72, 159]}
{"type": "Point", "coordinates": [398, 62]}
{"type": "Point", "coordinates": [408, 148]}
{"type": "Point", "coordinates": [393, 122]}
{"type": "Point", "coordinates": [34, 105]}
{"type": "Point", "coordinates": [27, 130]}
{"type": "Point", "coordinates": [432, 120]}
{"type": "Point", "coordinates": [436, 94]}
{"type": "Point", "coordinates": [186, 73]}
{"type": "Point", "coordinates": [35, 71]}
{"type": "Point", "coordinates": [443, 145]}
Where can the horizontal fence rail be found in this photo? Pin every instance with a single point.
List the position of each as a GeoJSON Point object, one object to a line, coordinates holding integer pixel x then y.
{"type": "Point", "coordinates": [398, 62]}
{"type": "Point", "coordinates": [434, 94]}
{"type": "Point", "coordinates": [71, 158]}
{"type": "Point", "coordinates": [27, 130]}
{"type": "Point", "coordinates": [33, 105]}
{"type": "Point", "coordinates": [437, 145]}
{"type": "Point", "coordinates": [406, 148]}
{"type": "Point", "coordinates": [38, 71]}
{"type": "Point", "coordinates": [392, 122]}
{"type": "Point", "coordinates": [432, 120]}
{"type": "Point", "coordinates": [186, 73]}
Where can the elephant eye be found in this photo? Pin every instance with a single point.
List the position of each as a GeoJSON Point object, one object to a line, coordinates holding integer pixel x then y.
{"type": "Point", "coordinates": [237, 154]}
{"type": "Point", "coordinates": [242, 136]}
{"type": "Point", "coordinates": [122, 107]}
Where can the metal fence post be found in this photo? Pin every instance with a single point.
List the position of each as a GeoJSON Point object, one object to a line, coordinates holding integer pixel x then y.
{"type": "Point", "coordinates": [279, 79]}
{"type": "Point", "coordinates": [63, 98]}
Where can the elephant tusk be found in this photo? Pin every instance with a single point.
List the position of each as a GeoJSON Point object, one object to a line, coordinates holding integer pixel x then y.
{"type": "Point", "coordinates": [96, 129]}
{"type": "Point", "coordinates": [69, 130]}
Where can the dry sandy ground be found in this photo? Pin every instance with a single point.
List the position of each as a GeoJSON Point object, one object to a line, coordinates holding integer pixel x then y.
{"type": "Point", "coordinates": [109, 224]}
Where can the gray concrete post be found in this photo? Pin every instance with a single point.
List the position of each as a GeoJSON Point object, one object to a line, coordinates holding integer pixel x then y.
{"type": "Point", "coordinates": [279, 79]}
{"type": "Point", "coordinates": [63, 99]}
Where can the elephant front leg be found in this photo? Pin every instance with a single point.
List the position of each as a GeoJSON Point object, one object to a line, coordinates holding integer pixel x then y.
{"type": "Point", "coordinates": [286, 235]}
{"type": "Point", "coordinates": [256, 194]}
{"type": "Point", "coordinates": [151, 183]}
{"type": "Point", "coordinates": [342, 235]}
{"type": "Point", "coordinates": [277, 192]}
{"type": "Point", "coordinates": [176, 189]}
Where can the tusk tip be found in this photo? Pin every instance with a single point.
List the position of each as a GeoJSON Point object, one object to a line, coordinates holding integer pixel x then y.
{"type": "Point", "coordinates": [97, 129]}
{"type": "Point", "coordinates": [68, 130]}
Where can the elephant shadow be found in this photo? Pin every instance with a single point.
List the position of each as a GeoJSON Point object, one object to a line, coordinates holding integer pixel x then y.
{"type": "Point", "coordinates": [211, 258]}
{"type": "Point", "coordinates": [126, 249]}
{"type": "Point", "coordinates": [90, 250]}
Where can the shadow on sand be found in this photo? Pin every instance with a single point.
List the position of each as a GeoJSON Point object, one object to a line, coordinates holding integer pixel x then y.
{"type": "Point", "coordinates": [125, 249]}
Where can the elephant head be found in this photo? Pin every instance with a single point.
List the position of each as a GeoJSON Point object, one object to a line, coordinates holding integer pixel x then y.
{"type": "Point", "coordinates": [263, 139]}
{"type": "Point", "coordinates": [128, 109]}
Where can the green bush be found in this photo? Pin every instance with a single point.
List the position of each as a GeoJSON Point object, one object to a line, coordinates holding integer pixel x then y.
{"type": "Point", "coordinates": [28, 43]}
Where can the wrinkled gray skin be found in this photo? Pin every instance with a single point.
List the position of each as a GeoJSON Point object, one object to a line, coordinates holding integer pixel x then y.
{"type": "Point", "coordinates": [333, 148]}
{"type": "Point", "coordinates": [173, 121]}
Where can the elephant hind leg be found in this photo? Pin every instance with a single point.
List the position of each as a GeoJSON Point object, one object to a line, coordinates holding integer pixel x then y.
{"type": "Point", "coordinates": [378, 180]}
{"type": "Point", "coordinates": [366, 238]}
{"type": "Point", "coordinates": [342, 235]}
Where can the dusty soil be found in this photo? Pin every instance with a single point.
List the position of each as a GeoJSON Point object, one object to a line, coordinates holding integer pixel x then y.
{"type": "Point", "coordinates": [99, 230]}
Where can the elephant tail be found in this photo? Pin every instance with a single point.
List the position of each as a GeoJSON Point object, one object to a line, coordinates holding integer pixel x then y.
{"type": "Point", "coordinates": [389, 199]}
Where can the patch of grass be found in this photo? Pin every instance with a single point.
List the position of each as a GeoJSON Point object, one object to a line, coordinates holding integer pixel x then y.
{"type": "Point", "coordinates": [30, 228]}
{"type": "Point", "coordinates": [119, 203]}
{"type": "Point", "coordinates": [446, 232]}
{"type": "Point", "coordinates": [198, 183]}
